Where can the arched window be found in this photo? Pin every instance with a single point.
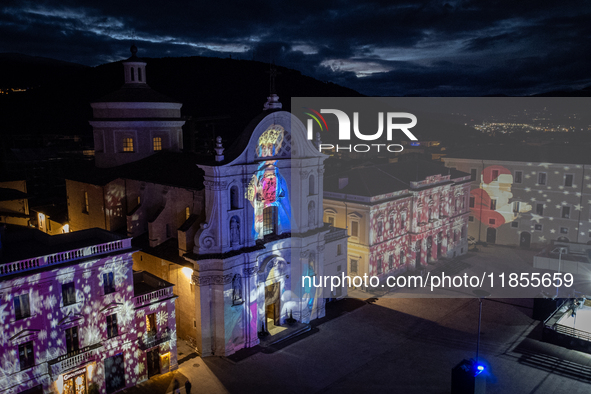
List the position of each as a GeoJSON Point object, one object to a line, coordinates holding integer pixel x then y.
{"type": "Point", "coordinates": [403, 220]}
{"type": "Point", "coordinates": [391, 262]}
{"type": "Point", "coordinates": [379, 266]}
{"type": "Point", "coordinates": [311, 214]}
{"type": "Point", "coordinates": [132, 74]}
{"type": "Point", "coordinates": [391, 222]}
{"type": "Point", "coordinates": [234, 200]}
{"type": "Point", "coordinates": [402, 258]}
{"type": "Point", "coordinates": [311, 189]}
{"type": "Point", "coordinates": [380, 226]}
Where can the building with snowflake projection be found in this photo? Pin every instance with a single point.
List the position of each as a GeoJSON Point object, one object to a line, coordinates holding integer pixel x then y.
{"type": "Point", "coordinates": [75, 317]}
{"type": "Point", "coordinates": [528, 195]}
{"type": "Point", "coordinates": [399, 216]}
{"type": "Point", "coordinates": [234, 232]}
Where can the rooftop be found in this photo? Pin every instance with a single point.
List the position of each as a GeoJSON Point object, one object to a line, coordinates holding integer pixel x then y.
{"type": "Point", "coordinates": [178, 169]}
{"type": "Point", "coordinates": [57, 212]}
{"type": "Point", "coordinates": [559, 154]}
{"type": "Point", "coordinates": [140, 93]}
{"type": "Point", "coordinates": [371, 180]}
{"type": "Point", "coordinates": [144, 282]}
{"type": "Point", "coordinates": [20, 243]}
{"type": "Point", "coordinates": [7, 194]}
{"type": "Point", "coordinates": [167, 250]}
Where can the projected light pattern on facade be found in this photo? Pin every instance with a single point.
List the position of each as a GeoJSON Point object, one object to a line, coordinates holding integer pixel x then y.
{"type": "Point", "coordinates": [529, 204]}
{"type": "Point", "coordinates": [251, 256]}
{"type": "Point", "coordinates": [78, 340]}
{"type": "Point", "coordinates": [492, 201]}
{"type": "Point", "coordinates": [268, 188]}
{"type": "Point", "coordinates": [274, 142]}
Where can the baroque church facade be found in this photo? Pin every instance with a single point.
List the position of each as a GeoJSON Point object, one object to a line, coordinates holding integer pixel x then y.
{"type": "Point", "coordinates": [235, 232]}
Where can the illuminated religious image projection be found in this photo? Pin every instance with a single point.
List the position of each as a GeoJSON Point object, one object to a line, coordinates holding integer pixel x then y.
{"type": "Point", "coordinates": [492, 203]}
{"type": "Point", "coordinates": [267, 190]}
{"type": "Point", "coordinates": [275, 141]}
{"type": "Point", "coordinates": [268, 194]}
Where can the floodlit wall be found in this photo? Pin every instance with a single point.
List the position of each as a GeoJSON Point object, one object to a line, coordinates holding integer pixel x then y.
{"type": "Point", "coordinates": [527, 204]}
{"type": "Point", "coordinates": [184, 288]}
{"type": "Point", "coordinates": [41, 317]}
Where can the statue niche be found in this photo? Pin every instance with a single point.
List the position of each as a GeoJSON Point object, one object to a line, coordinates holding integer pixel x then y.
{"type": "Point", "coordinates": [235, 231]}
{"type": "Point", "coordinates": [237, 290]}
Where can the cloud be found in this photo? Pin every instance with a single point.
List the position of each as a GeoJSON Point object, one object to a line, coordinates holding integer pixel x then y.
{"type": "Point", "coordinates": [417, 48]}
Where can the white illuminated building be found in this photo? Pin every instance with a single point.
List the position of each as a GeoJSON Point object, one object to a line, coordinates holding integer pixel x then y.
{"type": "Point", "coordinates": [233, 232]}
{"type": "Point", "coordinates": [262, 232]}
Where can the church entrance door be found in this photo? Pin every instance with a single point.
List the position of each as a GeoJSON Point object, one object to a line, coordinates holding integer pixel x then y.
{"type": "Point", "coordinates": [272, 306]}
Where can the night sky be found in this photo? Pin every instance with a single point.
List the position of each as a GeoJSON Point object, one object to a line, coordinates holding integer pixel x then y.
{"type": "Point", "coordinates": [436, 48]}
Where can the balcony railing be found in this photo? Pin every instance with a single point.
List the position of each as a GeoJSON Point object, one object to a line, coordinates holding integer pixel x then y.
{"type": "Point", "coordinates": [62, 257]}
{"type": "Point", "coordinates": [572, 332]}
{"type": "Point", "coordinates": [151, 340]}
{"type": "Point", "coordinates": [74, 359]}
{"type": "Point", "coordinates": [153, 296]}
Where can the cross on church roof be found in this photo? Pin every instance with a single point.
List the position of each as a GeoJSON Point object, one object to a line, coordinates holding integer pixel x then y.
{"type": "Point", "coordinates": [272, 75]}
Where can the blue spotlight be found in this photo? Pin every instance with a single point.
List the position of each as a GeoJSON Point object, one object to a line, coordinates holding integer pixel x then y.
{"type": "Point", "coordinates": [479, 369]}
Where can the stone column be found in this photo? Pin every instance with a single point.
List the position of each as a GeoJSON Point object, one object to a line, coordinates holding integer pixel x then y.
{"type": "Point", "coordinates": [251, 328]}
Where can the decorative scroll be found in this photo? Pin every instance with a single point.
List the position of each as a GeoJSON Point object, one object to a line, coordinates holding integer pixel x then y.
{"type": "Point", "coordinates": [215, 185]}
{"type": "Point", "coordinates": [250, 271]}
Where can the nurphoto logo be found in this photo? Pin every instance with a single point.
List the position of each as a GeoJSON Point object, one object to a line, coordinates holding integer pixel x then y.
{"type": "Point", "coordinates": [345, 129]}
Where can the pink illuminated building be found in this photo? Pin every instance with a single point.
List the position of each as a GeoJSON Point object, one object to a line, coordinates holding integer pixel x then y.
{"type": "Point", "coordinates": [400, 216]}
{"type": "Point", "coordinates": [76, 318]}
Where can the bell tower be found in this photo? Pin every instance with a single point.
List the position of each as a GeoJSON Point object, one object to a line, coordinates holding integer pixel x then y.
{"type": "Point", "coordinates": [135, 121]}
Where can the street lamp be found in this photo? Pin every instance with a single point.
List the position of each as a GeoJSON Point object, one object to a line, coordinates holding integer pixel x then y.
{"type": "Point", "coordinates": [560, 252]}
{"type": "Point", "coordinates": [466, 377]}
{"type": "Point", "coordinates": [480, 294]}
